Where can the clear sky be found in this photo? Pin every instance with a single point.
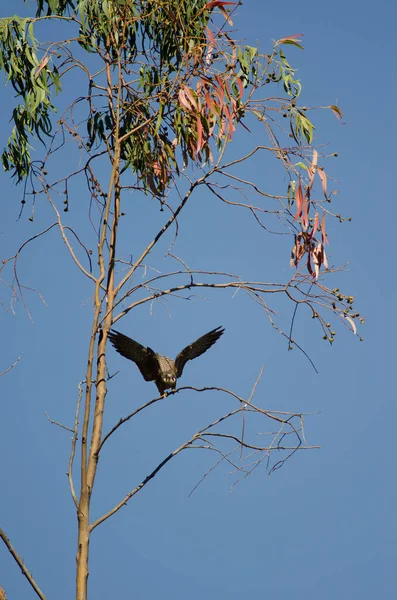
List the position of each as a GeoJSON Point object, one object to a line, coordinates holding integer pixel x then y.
{"type": "Point", "coordinates": [322, 527]}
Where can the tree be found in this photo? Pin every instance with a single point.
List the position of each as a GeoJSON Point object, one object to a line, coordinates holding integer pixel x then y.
{"type": "Point", "coordinates": [163, 89]}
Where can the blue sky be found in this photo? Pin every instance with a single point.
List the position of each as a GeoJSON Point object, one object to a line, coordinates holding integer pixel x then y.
{"type": "Point", "coordinates": [324, 525]}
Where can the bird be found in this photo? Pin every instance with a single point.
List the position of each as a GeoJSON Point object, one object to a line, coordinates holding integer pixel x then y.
{"type": "Point", "coordinates": [153, 366]}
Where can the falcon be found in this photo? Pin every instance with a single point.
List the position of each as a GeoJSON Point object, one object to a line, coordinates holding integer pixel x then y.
{"type": "Point", "coordinates": [161, 369]}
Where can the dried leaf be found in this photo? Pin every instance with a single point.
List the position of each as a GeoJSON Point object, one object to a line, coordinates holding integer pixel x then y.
{"type": "Point", "coordinates": [290, 40]}
{"type": "Point", "coordinates": [299, 201]}
{"type": "Point", "coordinates": [325, 261]}
{"type": "Point", "coordinates": [316, 257]}
{"type": "Point", "coordinates": [152, 185]}
{"type": "Point", "coordinates": [191, 97]}
{"type": "Point", "coordinates": [352, 323]}
{"type": "Point", "coordinates": [315, 225]}
{"type": "Point", "coordinates": [323, 177]}
{"type": "Point", "coordinates": [183, 100]}
{"type": "Point", "coordinates": [216, 3]}
{"type": "Point", "coordinates": [211, 36]}
{"type": "Point", "coordinates": [200, 142]}
{"type": "Point", "coordinates": [240, 86]}
{"type": "Point", "coordinates": [42, 65]}
{"type": "Point", "coordinates": [323, 232]}
{"type": "Point", "coordinates": [305, 213]}
{"type": "Point", "coordinates": [226, 14]}
{"type": "Point", "coordinates": [337, 111]}
{"type": "Point", "coordinates": [211, 104]}
{"type": "Point", "coordinates": [314, 159]}
{"type": "Point", "coordinates": [309, 266]}
{"type": "Point", "coordinates": [297, 251]}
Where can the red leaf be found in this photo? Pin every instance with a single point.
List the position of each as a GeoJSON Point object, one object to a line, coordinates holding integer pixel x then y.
{"type": "Point", "coordinates": [190, 96]}
{"type": "Point", "coordinates": [291, 39]}
{"type": "Point", "coordinates": [323, 178]}
{"type": "Point", "coordinates": [305, 215]}
{"type": "Point", "coordinates": [219, 94]}
{"type": "Point", "coordinates": [221, 83]}
{"type": "Point", "coordinates": [199, 135]}
{"type": "Point", "coordinates": [299, 201]}
{"type": "Point", "coordinates": [211, 105]}
{"type": "Point", "coordinates": [216, 3]}
{"type": "Point", "coordinates": [211, 36]}
{"type": "Point", "coordinates": [240, 86]}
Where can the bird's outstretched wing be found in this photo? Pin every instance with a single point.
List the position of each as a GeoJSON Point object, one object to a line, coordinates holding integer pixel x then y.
{"type": "Point", "coordinates": [143, 357]}
{"type": "Point", "coordinates": [197, 348]}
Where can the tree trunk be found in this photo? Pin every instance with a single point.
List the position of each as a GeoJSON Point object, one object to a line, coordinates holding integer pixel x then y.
{"type": "Point", "coordinates": [82, 548]}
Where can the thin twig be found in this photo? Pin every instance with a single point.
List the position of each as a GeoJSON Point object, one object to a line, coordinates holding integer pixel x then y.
{"type": "Point", "coordinates": [11, 366]}
{"type": "Point", "coordinates": [21, 565]}
{"type": "Point", "coordinates": [74, 441]}
{"type": "Point", "coordinates": [127, 418]}
{"type": "Point", "coordinates": [58, 424]}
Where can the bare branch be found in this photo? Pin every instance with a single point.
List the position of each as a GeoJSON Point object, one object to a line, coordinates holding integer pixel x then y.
{"type": "Point", "coordinates": [127, 418]}
{"type": "Point", "coordinates": [58, 424]}
{"type": "Point", "coordinates": [66, 240]}
{"type": "Point", "coordinates": [204, 432]}
{"type": "Point", "coordinates": [21, 565]}
{"type": "Point", "coordinates": [141, 485]}
{"type": "Point", "coordinates": [74, 442]}
{"type": "Point", "coordinates": [11, 366]}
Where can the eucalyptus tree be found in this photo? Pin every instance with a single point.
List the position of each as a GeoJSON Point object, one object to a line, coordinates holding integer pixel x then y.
{"type": "Point", "coordinates": [145, 98]}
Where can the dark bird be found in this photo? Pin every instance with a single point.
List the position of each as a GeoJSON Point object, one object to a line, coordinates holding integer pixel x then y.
{"type": "Point", "coordinates": [161, 369]}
